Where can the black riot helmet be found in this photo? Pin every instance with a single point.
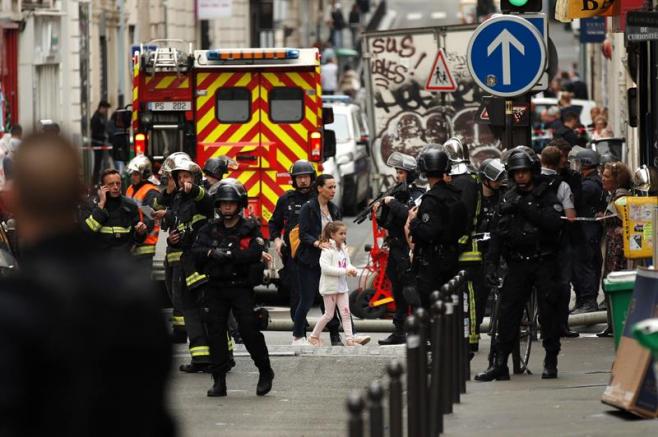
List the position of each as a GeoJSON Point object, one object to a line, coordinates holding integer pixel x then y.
{"type": "Point", "coordinates": [217, 167]}
{"type": "Point", "coordinates": [230, 190]}
{"type": "Point", "coordinates": [519, 160]}
{"type": "Point", "coordinates": [401, 161]}
{"type": "Point", "coordinates": [492, 169]}
{"type": "Point", "coordinates": [434, 162]}
{"type": "Point", "coordinates": [299, 168]}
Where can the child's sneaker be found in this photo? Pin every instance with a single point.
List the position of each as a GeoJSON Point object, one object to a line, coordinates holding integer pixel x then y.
{"type": "Point", "coordinates": [315, 341]}
{"type": "Point", "coordinates": [300, 342]}
{"type": "Point", "coordinates": [361, 339]}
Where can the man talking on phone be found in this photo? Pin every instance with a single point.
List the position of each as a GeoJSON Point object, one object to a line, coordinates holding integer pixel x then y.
{"type": "Point", "coordinates": [114, 219]}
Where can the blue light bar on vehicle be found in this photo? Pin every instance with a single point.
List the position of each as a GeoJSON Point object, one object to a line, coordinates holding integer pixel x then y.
{"type": "Point", "coordinates": [251, 54]}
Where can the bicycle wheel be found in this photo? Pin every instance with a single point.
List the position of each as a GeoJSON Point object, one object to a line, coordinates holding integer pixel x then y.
{"type": "Point", "coordinates": [527, 333]}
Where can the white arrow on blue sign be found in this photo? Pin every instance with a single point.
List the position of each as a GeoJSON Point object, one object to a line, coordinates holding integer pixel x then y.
{"type": "Point", "coordinates": [506, 56]}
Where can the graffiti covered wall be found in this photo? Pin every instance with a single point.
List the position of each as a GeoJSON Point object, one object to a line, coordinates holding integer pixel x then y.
{"type": "Point", "coordinates": [405, 116]}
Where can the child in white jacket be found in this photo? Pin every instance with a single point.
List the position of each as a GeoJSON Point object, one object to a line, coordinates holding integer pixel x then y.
{"type": "Point", "coordinates": [336, 266]}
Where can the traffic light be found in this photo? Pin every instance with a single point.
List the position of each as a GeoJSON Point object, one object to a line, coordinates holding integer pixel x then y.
{"type": "Point", "coordinates": [520, 6]}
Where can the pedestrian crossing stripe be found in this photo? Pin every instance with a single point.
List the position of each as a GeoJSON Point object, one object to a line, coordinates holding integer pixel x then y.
{"type": "Point", "coordinates": [440, 78]}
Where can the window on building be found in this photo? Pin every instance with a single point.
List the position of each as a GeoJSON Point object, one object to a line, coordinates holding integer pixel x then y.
{"type": "Point", "coordinates": [233, 105]}
{"type": "Point", "coordinates": [286, 105]}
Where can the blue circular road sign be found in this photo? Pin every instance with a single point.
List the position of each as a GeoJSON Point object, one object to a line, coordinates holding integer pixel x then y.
{"type": "Point", "coordinates": [506, 55]}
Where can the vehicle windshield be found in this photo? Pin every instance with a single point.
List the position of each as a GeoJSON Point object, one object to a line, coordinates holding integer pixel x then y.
{"type": "Point", "coordinates": [341, 127]}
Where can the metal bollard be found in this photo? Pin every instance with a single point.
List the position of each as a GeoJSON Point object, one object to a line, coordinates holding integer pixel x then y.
{"type": "Point", "coordinates": [414, 351]}
{"type": "Point", "coordinates": [355, 406]}
{"type": "Point", "coordinates": [394, 370]}
{"type": "Point", "coordinates": [438, 360]}
{"type": "Point", "coordinates": [458, 340]}
{"type": "Point", "coordinates": [467, 327]}
{"type": "Point", "coordinates": [446, 351]}
{"type": "Point", "coordinates": [423, 332]}
{"type": "Point", "coordinates": [375, 396]}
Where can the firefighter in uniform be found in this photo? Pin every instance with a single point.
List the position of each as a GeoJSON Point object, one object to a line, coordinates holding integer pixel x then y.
{"type": "Point", "coordinates": [188, 209]}
{"type": "Point", "coordinates": [144, 193]}
{"type": "Point", "coordinates": [114, 219]}
{"type": "Point", "coordinates": [527, 237]}
{"type": "Point", "coordinates": [228, 250]}
{"type": "Point", "coordinates": [392, 216]}
{"type": "Point", "coordinates": [285, 218]}
{"type": "Point", "coordinates": [435, 228]}
{"type": "Point", "coordinates": [470, 257]}
{"type": "Point", "coordinates": [492, 174]}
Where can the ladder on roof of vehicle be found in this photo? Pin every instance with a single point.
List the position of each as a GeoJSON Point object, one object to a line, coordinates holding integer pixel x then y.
{"type": "Point", "coordinates": [167, 59]}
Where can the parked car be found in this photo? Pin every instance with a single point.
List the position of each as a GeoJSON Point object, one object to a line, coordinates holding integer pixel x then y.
{"type": "Point", "coordinates": [352, 153]}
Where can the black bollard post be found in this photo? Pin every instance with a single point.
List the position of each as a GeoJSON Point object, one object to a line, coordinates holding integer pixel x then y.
{"type": "Point", "coordinates": [375, 395]}
{"type": "Point", "coordinates": [414, 352]}
{"type": "Point", "coordinates": [436, 383]}
{"type": "Point", "coordinates": [355, 407]}
{"type": "Point", "coordinates": [395, 398]}
{"type": "Point", "coordinates": [467, 327]}
{"type": "Point", "coordinates": [423, 415]}
{"type": "Point", "coordinates": [445, 291]}
{"type": "Point", "coordinates": [458, 336]}
{"type": "Point", "coordinates": [447, 326]}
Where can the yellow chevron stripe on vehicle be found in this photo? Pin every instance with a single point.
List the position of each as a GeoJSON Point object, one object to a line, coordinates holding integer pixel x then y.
{"type": "Point", "coordinates": [165, 81]}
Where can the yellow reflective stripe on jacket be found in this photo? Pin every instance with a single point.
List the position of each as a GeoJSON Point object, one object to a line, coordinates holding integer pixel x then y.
{"type": "Point", "coordinates": [194, 278]}
{"type": "Point", "coordinates": [178, 320]}
{"type": "Point", "coordinates": [144, 250]}
{"type": "Point", "coordinates": [195, 219]}
{"type": "Point", "coordinates": [93, 223]}
{"type": "Point", "coordinates": [174, 256]}
{"type": "Point", "coordinates": [199, 351]}
{"type": "Point", "coordinates": [201, 194]}
{"type": "Point", "coordinates": [114, 230]}
{"type": "Point", "coordinates": [474, 255]}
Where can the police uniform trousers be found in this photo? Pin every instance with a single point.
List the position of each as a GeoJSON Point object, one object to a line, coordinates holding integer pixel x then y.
{"type": "Point", "coordinates": [430, 276]}
{"type": "Point", "coordinates": [543, 274]}
{"type": "Point", "coordinates": [290, 279]}
{"type": "Point", "coordinates": [478, 296]}
{"type": "Point", "coordinates": [588, 261]}
{"type": "Point", "coordinates": [187, 301]}
{"type": "Point", "coordinates": [217, 300]}
{"type": "Point", "coordinates": [398, 273]}
{"type": "Point", "coordinates": [177, 319]}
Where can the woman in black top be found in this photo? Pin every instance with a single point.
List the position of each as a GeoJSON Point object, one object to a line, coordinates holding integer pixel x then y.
{"type": "Point", "coordinates": [313, 217]}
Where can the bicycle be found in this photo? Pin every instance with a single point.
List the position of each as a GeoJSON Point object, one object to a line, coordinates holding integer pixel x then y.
{"type": "Point", "coordinates": [528, 331]}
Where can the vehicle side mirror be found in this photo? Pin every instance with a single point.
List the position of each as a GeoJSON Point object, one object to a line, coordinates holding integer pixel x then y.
{"type": "Point", "coordinates": [327, 115]}
{"type": "Point", "coordinates": [632, 107]}
{"type": "Point", "coordinates": [329, 144]}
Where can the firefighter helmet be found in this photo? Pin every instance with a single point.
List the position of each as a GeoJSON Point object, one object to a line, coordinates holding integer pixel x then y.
{"type": "Point", "coordinates": [492, 169]}
{"type": "Point", "coordinates": [434, 162]}
{"type": "Point", "coordinates": [169, 163]}
{"type": "Point", "coordinates": [299, 168]}
{"type": "Point", "coordinates": [458, 156]}
{"type": "Point", "coordinates": [231, 190]}
{"type": "Point", "coordinates": [142, 165]}
{"type": "Point", "coordinates": [404, 162]}
{"type": "Point", "coordinates": [217, 167]}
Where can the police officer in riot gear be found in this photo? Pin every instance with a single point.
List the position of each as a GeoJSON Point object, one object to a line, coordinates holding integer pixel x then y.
{"type": "Point", "coordinates": [435, 228]}
{"type": "Point", "coordinates": [188, 209]}
{"type": "Point", "coordinates": [589, 258]}
{"type": "Point", "coordinates": [228, 250]}
{"type": "Point", "coordinates": [470, 257]}
{"type": "Point", "coordinates": [526, 237]}
{"type": "Point", "coordinates": [492, 174]}
{"type": "Point", "coordinates": [214, 170]}
{"type": "Point", "coordinates": [285, 218]}
{"type": "Point", "coordinates": [393, 217]}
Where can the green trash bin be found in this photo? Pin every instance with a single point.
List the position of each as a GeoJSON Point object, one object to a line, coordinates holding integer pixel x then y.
{"type": "Point", "coordinates": [619, 289]}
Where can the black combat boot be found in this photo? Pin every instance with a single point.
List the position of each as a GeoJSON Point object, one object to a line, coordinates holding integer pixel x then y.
{"type": "Point", "coordinates": [219, 385]}
{"type": "Point", "coordinates": [396, 337]}
{"type": "Point", "coordinates": [265, 382]}
{"type": "Point", "coordinates": [499, 371]}
{"type": "Point", "coordinates": [550, 366]}
{"type": "Point", "coordinates": [194, 367]}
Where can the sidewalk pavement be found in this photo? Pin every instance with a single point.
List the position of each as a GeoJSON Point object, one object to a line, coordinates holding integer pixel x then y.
{"type": "Point", "coordinates": [311, 385]}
